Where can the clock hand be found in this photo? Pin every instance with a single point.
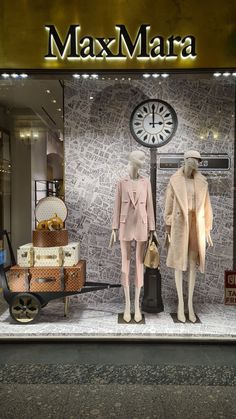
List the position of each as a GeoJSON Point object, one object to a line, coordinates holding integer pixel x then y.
{"type": "Point", "coordinates": [153, 117]}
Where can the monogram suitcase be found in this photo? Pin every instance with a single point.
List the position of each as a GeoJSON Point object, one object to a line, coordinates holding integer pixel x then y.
{"type": "Point", "coordinates": [48, 238]}
{"type": "Point", "coordinates": [18, 279]}
{"type": "Point", "coordinates": [48, 256]}
{"type": "Point", "coordinates": [25, 255]}
{"type": "Point", "coordinates": [46, 279]}
{"type": "Point", "coordinates": [75, 276]}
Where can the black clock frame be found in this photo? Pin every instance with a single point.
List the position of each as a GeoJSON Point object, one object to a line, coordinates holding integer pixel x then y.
{"type": "Point", "coordinates": [175, 121]}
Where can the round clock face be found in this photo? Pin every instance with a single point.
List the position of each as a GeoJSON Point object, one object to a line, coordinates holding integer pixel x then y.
{"type": "Point", "coordinates": [153, 123]}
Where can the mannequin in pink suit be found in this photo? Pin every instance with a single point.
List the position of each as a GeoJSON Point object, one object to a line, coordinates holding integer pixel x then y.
{"type": "Point", "coordinates": [134, 217]}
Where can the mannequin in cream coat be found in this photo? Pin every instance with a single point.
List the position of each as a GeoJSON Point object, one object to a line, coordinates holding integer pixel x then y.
{"type": "Point", "coordinates": [134, 217]}
{"type": "Point", "coordinates": [188, 219]}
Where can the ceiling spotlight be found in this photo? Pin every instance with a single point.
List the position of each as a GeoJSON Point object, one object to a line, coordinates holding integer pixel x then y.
{"type": "Point", "coordinates": [22, 135]}
{"type": "Point", "coordinates": [94, 76]}
{"type": "Point", "coordinates": [226, 74]}
{"type": "Point", "coordinates": [234, 74]}
{"type": "Point", "coordinates": [217, 74]}
{"type": "Point", "coordinates": [76, 76]}
{"type": "Point", "coordinates": [129, 78]}
{"type": "Point", "coordinates": [155, 75]}
{"type": "Point", "coordinates": [23, 75]}
{"type": "Point", "coordinates": [48, 91]}
{"type": "Point", "coordinates": [85, 76]}
{"type": "Point", "coordinates": [15, 75]}
{"type": "Point", "coordinates": [59, 109]}
{"type": "Point", "coordinates": [5, 75]}
{"type": "Point", "coordinates": [54, 101]}
{"type": "Point", "coordinates": [146, 75]}
{"type": "Point", "coordinates": [164, 75]}
{"type": "Point", "coordinates": [35, 135]}
{"type": "Point", "coordinates": [91, 98]}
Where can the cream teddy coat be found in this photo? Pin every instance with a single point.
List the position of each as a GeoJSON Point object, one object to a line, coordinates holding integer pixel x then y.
{"type": "Point", "coordinates": [176, 216]}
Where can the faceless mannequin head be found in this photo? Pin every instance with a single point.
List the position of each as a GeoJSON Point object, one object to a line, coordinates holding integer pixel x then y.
{"type": "Point", "coordinates": [191, 161]}
{"type": "Point", "coordinates": [191, 164]}
{"type": "Point", "coordinates": [136, 159]}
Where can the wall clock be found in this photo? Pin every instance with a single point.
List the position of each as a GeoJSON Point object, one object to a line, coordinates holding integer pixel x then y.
{"type": "Point", "coordinates": [153, 123]}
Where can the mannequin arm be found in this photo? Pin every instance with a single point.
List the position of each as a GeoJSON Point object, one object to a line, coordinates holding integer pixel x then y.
{"type": "Point", "coordinates": [113, 237]}
{"type": "Point", "coordinates": [209, 240]}
{"type": "Point", "coordinates": [152, 233]}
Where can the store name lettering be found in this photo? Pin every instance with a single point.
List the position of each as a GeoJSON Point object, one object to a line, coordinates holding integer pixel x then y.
{"type": "Point", "coordinates": [123, 46]}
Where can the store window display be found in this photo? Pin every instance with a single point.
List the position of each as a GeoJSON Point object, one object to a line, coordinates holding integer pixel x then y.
{"type": "Point", "coordinates": [134, 218]}
{"type": "Point", "coordinates": [188, 218]}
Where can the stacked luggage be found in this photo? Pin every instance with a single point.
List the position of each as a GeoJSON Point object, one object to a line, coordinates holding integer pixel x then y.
{"type": "Point", "coordinates": [49, 263]}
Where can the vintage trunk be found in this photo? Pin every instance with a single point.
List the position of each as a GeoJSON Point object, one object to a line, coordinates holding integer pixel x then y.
{"type": "Point", "coordinates": [18, 279]}
{"type": "Point", "coordinates": [71, 254]}
{"type": "Point", "coordinates": [48, 256]}
{"type": "Point", "coordinates": [25, 255]}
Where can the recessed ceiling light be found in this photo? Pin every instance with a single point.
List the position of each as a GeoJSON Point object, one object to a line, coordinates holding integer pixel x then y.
{"type": "Point", "coordinates": [5, 75]}
{"type": "Point", "coordinates": [48, 91]}
{"type": "Point", "coordinates": [155, 75]}
{"type": "Point", "coordinates": [91, 98]}
{"type": "Point", "coordinates": [226, 74]}
{"type": "Point", "coordinates": [76, 76]}
{"type": "Point", "coordinates": [24, 75]}
{"type": "Point", "coordinates": [217, 74]}
{"type": "Point", "coordinates": [35, 135]}
{"type": "Point", "coordinates": [14, 75]}
{"type": "Point", "coordinates": [94, 76]}
{"type": "Point", "coordinates": [146, 75]}
{"type": "Point", "coordinates": [85, 76]}
{"type": "Point", "coordinates": [164, 75]}
{"type": "Point", "coordinates": [54, 101]}
{"type": "Point", "coordinates": [234, 74]}
{"type": "Point", "coordinates": [59, 109]}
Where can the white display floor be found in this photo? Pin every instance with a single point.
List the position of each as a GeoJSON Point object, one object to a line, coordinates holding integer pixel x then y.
{"type": "Point", "coordinates": [218, 322]}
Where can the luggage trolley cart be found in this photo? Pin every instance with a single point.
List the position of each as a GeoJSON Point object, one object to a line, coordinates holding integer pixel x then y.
{"type": "Point", "coordinates": [25, 307]}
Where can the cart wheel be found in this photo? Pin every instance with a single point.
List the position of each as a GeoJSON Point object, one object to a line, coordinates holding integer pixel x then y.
{"type": "Point", "coordinates": [25, 308]}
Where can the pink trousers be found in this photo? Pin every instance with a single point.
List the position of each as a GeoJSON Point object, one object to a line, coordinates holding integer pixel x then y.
{"type": "Point", "coordinates": [125, 254]}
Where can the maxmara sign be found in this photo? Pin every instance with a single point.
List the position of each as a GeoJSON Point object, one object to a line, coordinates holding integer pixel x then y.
{"type": "Point", "coordinates": [114, 35]}
{"type": "Point", "coordinates": [119, 46]}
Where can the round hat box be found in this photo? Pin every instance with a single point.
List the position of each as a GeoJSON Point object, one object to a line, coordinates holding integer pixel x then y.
{"type": "Point", "coordinates": [46, 209]}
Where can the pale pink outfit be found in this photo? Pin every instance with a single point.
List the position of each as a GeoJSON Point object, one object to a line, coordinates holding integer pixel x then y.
{"type": "Point", "coordinates": [134, 217]}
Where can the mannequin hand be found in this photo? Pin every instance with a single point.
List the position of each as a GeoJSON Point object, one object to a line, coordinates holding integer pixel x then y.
{"type": "Point", "coordinates": [113, 238]}
{"type": "Point", "coordinates": [167, 228]}
{"type": "Point", "coordinates": [167, 240]}
{"type": "Point", "coordinates": [152, 234]}
{"type": "Point", "coordinates": [209, 240]}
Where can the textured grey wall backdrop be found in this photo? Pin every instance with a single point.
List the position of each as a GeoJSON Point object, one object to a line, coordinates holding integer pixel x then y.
{"type": "Point", "coordinates": [97, 144]}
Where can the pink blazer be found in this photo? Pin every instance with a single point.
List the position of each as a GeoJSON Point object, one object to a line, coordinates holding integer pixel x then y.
{"type": "Point", "coordinates": [134, 217]}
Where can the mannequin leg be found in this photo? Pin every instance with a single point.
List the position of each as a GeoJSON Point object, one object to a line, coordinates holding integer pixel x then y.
{"type": "Point", "coordinates": [179, 288]}
{"type": "Point", "coordinates": [125, 254]}
{"type": "Point", "coordinates": [140, 246]}
{"type": "Point", "coordinates": [127, 315]}
{"type": "Point", "coordinates": [191, 285]}
{"type": "Point", "coordinates": [137, 312]}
